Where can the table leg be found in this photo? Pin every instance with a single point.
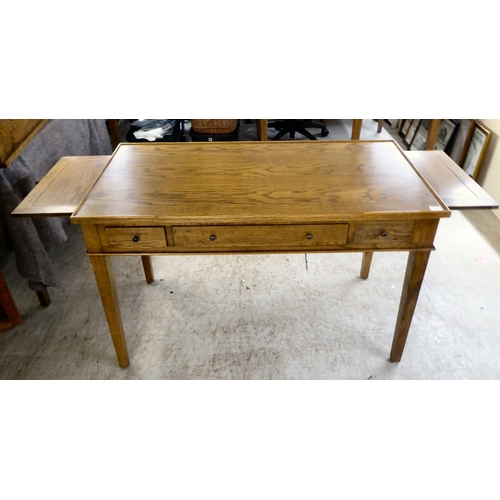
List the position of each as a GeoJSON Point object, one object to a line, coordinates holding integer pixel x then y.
{"type": "Point", "coordinates": [105, 279]}
{"type": "Point", "coordinates": [43, 297]}
{"type": "Point", "coordinates": [356, 130]}
{"type": "Point", "coordinates": [262, 129]}
{"type": "Point", "coordinates": [147, 264]}
{"type": "Point", "coordinates": [415, 270]}
{"type": "Point", "coordinates": [434, 127]}
{"type": "Point", "coordinates": [114, 132]}
{"type": "Point", "coordinates": [365, 264]}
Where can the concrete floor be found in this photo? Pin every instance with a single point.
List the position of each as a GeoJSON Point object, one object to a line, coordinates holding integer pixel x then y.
{"type": "Point", "coordinates": [268, 316]}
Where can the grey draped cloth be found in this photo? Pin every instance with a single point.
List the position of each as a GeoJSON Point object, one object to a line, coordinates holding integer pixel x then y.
{"type": "Point", "coordinates": [31, 239]}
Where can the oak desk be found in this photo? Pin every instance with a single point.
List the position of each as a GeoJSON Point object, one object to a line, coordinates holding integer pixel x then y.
{"type": "Point", "coordinates": [267, 197]}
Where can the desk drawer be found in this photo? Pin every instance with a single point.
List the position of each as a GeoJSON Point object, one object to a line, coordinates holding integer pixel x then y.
{"type": "Point", "coordinates": [133, 239]}
{"type": "Point", "coordinates": [383, 233]}
{"type": "Point", "coordinates": [323, 235]}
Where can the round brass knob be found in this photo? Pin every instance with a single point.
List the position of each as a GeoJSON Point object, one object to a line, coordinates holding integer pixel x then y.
{"type": "Point", "coordinates": [309, 236]}
{"type": "Point", "coordinates": [135, 239]}
{"type": "Point", "coordinates": [213, 237]}
{"type": "Point", "coordinates": [383, 233]}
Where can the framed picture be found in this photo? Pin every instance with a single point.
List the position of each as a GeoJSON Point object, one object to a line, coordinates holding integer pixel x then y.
{"type": "Point", "coordinates": [406, 129]}
{"type": "Point", "coordinates": [476, 149]}
{"type": "Point", "coordinates": [464, 138]}
{"type": "Point", "coordinates": [411, 132]}
{"type": "Point", "coordinates": [446, 135]}
{"type": "Point", "coordinates": [419, 140]}
{"type": "Point", "coordinates": [403, 129]}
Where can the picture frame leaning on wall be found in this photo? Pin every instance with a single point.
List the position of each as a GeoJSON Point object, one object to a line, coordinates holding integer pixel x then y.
{"type": "Point", "coordinates": [411, 132]}
{"type": "Point", "coordinates": [444, 140]}
{"type": "Point", "coordinates": [447, 135]}
{"type": "Point", "coordinates": [419, 139]}
{"type": "Point", "coordinates": [476, 148]}
{"type": "Point", "coordinates": [404, 127]}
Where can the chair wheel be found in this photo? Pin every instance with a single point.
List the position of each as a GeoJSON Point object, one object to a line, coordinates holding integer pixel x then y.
{"type": "Point", "coordinates": [324, 132]}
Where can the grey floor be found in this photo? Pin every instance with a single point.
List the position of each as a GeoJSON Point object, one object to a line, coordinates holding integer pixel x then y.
{"type": "Point", "coordinates": [269, 316]}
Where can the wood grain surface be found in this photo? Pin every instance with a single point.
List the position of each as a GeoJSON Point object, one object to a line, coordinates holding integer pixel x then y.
{"type": "Point", "coordinates": [454, 186]}
{"type": "Point", "coordinates": [131, 239]}
{"type": "Point", "coordinates": [386, 234]}
{"type": "Point", "coordinates": [63, 188]}
{"type": "Point", "coordinates": [258, 183]}
{"type": "Point", "coordinates": [260, 196]}
{"type": "Point", "coordinates": [15, 135]}
{"type": "Point", "coordinates": [261, 236]}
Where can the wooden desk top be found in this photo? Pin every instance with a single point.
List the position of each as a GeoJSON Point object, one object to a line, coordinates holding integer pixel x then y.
{"type": "Point", "coordinates": [60, 192]}
{"type": "Point", "coordinates": [258, 183]}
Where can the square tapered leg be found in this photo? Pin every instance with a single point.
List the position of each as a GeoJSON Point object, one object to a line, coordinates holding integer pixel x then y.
{"type": "Point", "coordinates": [105, 279]}
{"type": "Point", "coordinates": [415, 271]}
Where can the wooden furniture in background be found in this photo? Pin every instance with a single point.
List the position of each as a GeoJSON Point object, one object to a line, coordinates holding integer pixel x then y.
{"type": "Point", "coordinates": [15, 135]}
{"type": "Point", "coordinates": [432, 136]}
{"type": "Point", "coordinates": [57, 195]}
{"type": "Point", "coordinates": [262, 129]}
{"type": "Point", "coordinates": [114, 132]}
{"type": "Point", "coordinates": [356, 129]}
{"type": "Point", "coordinates": [37, 143]}
{"type": "Point", "coordinates": [9, 315]}
{"type": "Point", "coordinates": [357, 125]}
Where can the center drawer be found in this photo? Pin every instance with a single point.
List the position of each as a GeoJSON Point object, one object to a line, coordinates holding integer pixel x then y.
{"type": "Point", "coordinates": [323, 235]}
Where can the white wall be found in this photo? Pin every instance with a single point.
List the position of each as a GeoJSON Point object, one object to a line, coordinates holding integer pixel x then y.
{"type": "Point", "coordinates": [489, 173]}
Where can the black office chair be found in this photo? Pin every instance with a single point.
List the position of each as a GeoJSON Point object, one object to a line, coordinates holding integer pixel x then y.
{"type": "Point", "coordinates": [293, 126]}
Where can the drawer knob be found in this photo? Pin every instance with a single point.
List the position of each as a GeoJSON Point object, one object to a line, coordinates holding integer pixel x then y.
{"type": "Point", "coordinates": [309, 236]}
{"type": "Point", "coordinates": [135, 239]}
{"type": "Point", "coordinates": [213, 237]}
{"type": "Point", "coordinates": [383, 233]}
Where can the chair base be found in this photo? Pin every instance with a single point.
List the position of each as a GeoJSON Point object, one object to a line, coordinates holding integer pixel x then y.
{"type": "Point", "coordinates": [297, 126]}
